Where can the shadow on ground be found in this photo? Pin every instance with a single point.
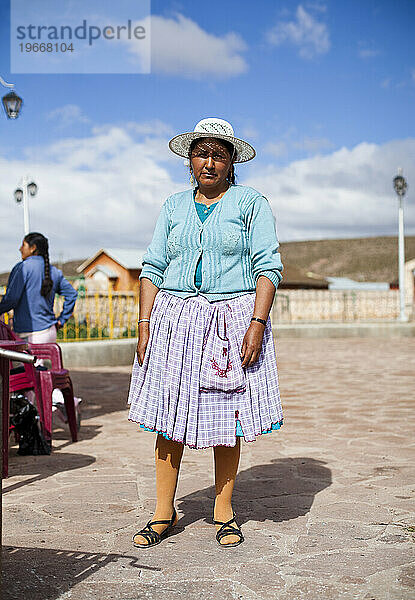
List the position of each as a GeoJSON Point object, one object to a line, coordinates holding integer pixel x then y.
{"type": "Point", "coordinates": [281, 490]}
{"type": "Point", "coordinates": [102, 392]}
{"type": "Point", "coordinates": [44, 466]}
{"type": "Point", "coordinates": [46, 574]}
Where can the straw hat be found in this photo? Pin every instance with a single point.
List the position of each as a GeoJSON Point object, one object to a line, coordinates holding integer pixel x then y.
{"type": "Point", "coordinates": [216, 128]}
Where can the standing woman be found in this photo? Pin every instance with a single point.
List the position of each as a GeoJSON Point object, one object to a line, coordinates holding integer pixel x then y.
{"type": "Point", "coordinates": [205, 371]}
{"type": "Point", "coordinates": [31, 291]}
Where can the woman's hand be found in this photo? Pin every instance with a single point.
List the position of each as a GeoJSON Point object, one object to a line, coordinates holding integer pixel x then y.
{"type": "Point", "coordinates": [252, 344]}
{"type": "Point", "coordinates": [143, 336]}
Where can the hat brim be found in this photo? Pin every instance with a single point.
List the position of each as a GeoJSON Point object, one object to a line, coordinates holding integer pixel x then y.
{"type": "Point", "coordinates": [180, 144]}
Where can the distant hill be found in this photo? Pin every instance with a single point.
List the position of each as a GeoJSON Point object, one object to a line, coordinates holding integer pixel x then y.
{"type": "Point", "coordinates": [68, 269]}
{"type": "Point", "coordinates": [361, 259]}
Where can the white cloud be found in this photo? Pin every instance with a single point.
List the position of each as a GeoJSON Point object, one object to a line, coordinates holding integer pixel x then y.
{"type": "Point", "coordinates": [347, 193]}
{"type": "Point", "coordinates": [67, 115]}
{"type": "Point", "coordinates": [310, 36]}
{"type": "Point", "coordinates": [103, 190]}
{"type": "Point", "coordinates": [388, 82]}
{"type": "Point", "coordinates": [180, 47]}
{"type": "Point", "coordinates": [317, 6]}
{"type": "Point", "coordinates": [153, 128]}
{"type": "Point", "coordinates": [276, 149]}
{"type": "Point", "coordinates": [313, 144]}
{"type": "Point", "coordinates": [249, 132]}
{"type": "Point", "coordinates": [368, 52]}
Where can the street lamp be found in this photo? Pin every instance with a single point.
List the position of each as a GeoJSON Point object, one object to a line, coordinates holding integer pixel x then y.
{"type": "Point", "coordinates": [12, 103]}
{"type": "Point", "coordinates": [28, 188]}
{"type": "Point", "coordinates": [18, 195]}
{"type": "Point", "coordinates": [32, 188]}
{"type": "Point", "coordinates": [400, 185]}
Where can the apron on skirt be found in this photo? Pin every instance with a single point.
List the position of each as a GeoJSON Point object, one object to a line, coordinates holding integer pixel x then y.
{"type": "Point", "coordinates": [191, 385]}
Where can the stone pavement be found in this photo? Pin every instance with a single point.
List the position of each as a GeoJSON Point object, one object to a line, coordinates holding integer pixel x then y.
{"type": "Point", "coordinates": [326, 504]}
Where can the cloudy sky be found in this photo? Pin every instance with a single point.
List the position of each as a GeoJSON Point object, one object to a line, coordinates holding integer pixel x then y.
{"type": "Point", "coordinates": [325, 91]}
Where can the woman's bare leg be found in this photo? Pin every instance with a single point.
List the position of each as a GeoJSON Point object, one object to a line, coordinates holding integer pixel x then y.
{"type": "Point", "coordinates": [226, 467]}
{"type": "Point", "coordinates": [168, 455]}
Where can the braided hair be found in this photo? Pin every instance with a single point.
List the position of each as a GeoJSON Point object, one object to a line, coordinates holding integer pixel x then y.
{"type": "Point", "coordinates": [42, 249]}
{"type": "Point", "coordinates": [231, 176]}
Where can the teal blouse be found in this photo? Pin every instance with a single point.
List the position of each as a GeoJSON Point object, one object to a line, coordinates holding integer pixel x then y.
{"type": "Point", "coordinates": [203, 211]}
{"type": "Point", "coordinates": [238, 242]}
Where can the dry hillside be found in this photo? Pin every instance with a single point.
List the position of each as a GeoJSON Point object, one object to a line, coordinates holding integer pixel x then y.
{"type": "Point", "coordinates": [362, 259]}
{"type": "Point", "coordinates": [68, 268]}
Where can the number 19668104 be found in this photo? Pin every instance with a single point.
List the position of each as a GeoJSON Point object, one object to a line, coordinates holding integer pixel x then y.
{"type": "Point", "coordinates": [46, 47]}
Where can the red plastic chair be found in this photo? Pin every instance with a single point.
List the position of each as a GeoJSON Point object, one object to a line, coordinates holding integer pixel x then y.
{"type": "Point", "coordinates": [55, 378]}
{"type": "Point", "coordinates": [44, 382]}
{"type": "Point", "coordinates": [5, 399]}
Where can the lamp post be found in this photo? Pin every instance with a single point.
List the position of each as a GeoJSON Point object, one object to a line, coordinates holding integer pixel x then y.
{"type": "Point", "coordinates": [400, 185]}
{"type": "Point", "coordinates": [12, 103]}
{"type": "Point", "coordinates": [28, 188]}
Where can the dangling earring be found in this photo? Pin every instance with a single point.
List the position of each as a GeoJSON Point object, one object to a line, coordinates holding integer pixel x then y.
{"type": "Point", "coordinates": [191, 179]}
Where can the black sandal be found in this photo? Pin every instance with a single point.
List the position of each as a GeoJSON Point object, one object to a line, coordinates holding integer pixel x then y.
{"type": "Point", "coordinates": [228, 529]}
{"type": "Point", "coordinates": [153, 537]}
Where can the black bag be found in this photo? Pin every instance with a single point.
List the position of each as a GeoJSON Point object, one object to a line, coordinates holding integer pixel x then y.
{"type": "Point", "coordinates": [25, 419]}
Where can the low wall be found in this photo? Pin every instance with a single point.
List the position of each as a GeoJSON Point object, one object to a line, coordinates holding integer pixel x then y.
{"type": "Point", "coordinates": [344, 330]}
{"type": "Point", "coordinates": [98, 354]}
{"type": "Point", "coordinates": [121, 352]}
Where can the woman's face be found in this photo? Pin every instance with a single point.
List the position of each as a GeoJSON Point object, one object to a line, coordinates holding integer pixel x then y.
{"type": "Point", "coordinates": [26, 250]}
{"type": "Point", "coordinates": [211, 161]}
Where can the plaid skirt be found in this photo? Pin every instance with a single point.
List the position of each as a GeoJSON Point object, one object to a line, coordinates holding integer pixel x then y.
{"type": "Point", "coordinates": [166, 394]}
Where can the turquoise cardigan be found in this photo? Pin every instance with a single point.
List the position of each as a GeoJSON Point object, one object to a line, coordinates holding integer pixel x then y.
{"type": "Point", "coordinates": [238, 242]}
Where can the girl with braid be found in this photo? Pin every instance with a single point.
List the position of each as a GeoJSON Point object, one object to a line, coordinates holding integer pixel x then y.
{"type": "Point", "coordinates": [31, 291]}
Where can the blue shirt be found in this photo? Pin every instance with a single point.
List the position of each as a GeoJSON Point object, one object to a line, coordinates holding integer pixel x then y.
{"type": "Point", "coordinates": [203, 212]}
{"type": "Point", "coordinates": [238, 242]}
{"type": "Point", "coordinates": [32, 311]}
